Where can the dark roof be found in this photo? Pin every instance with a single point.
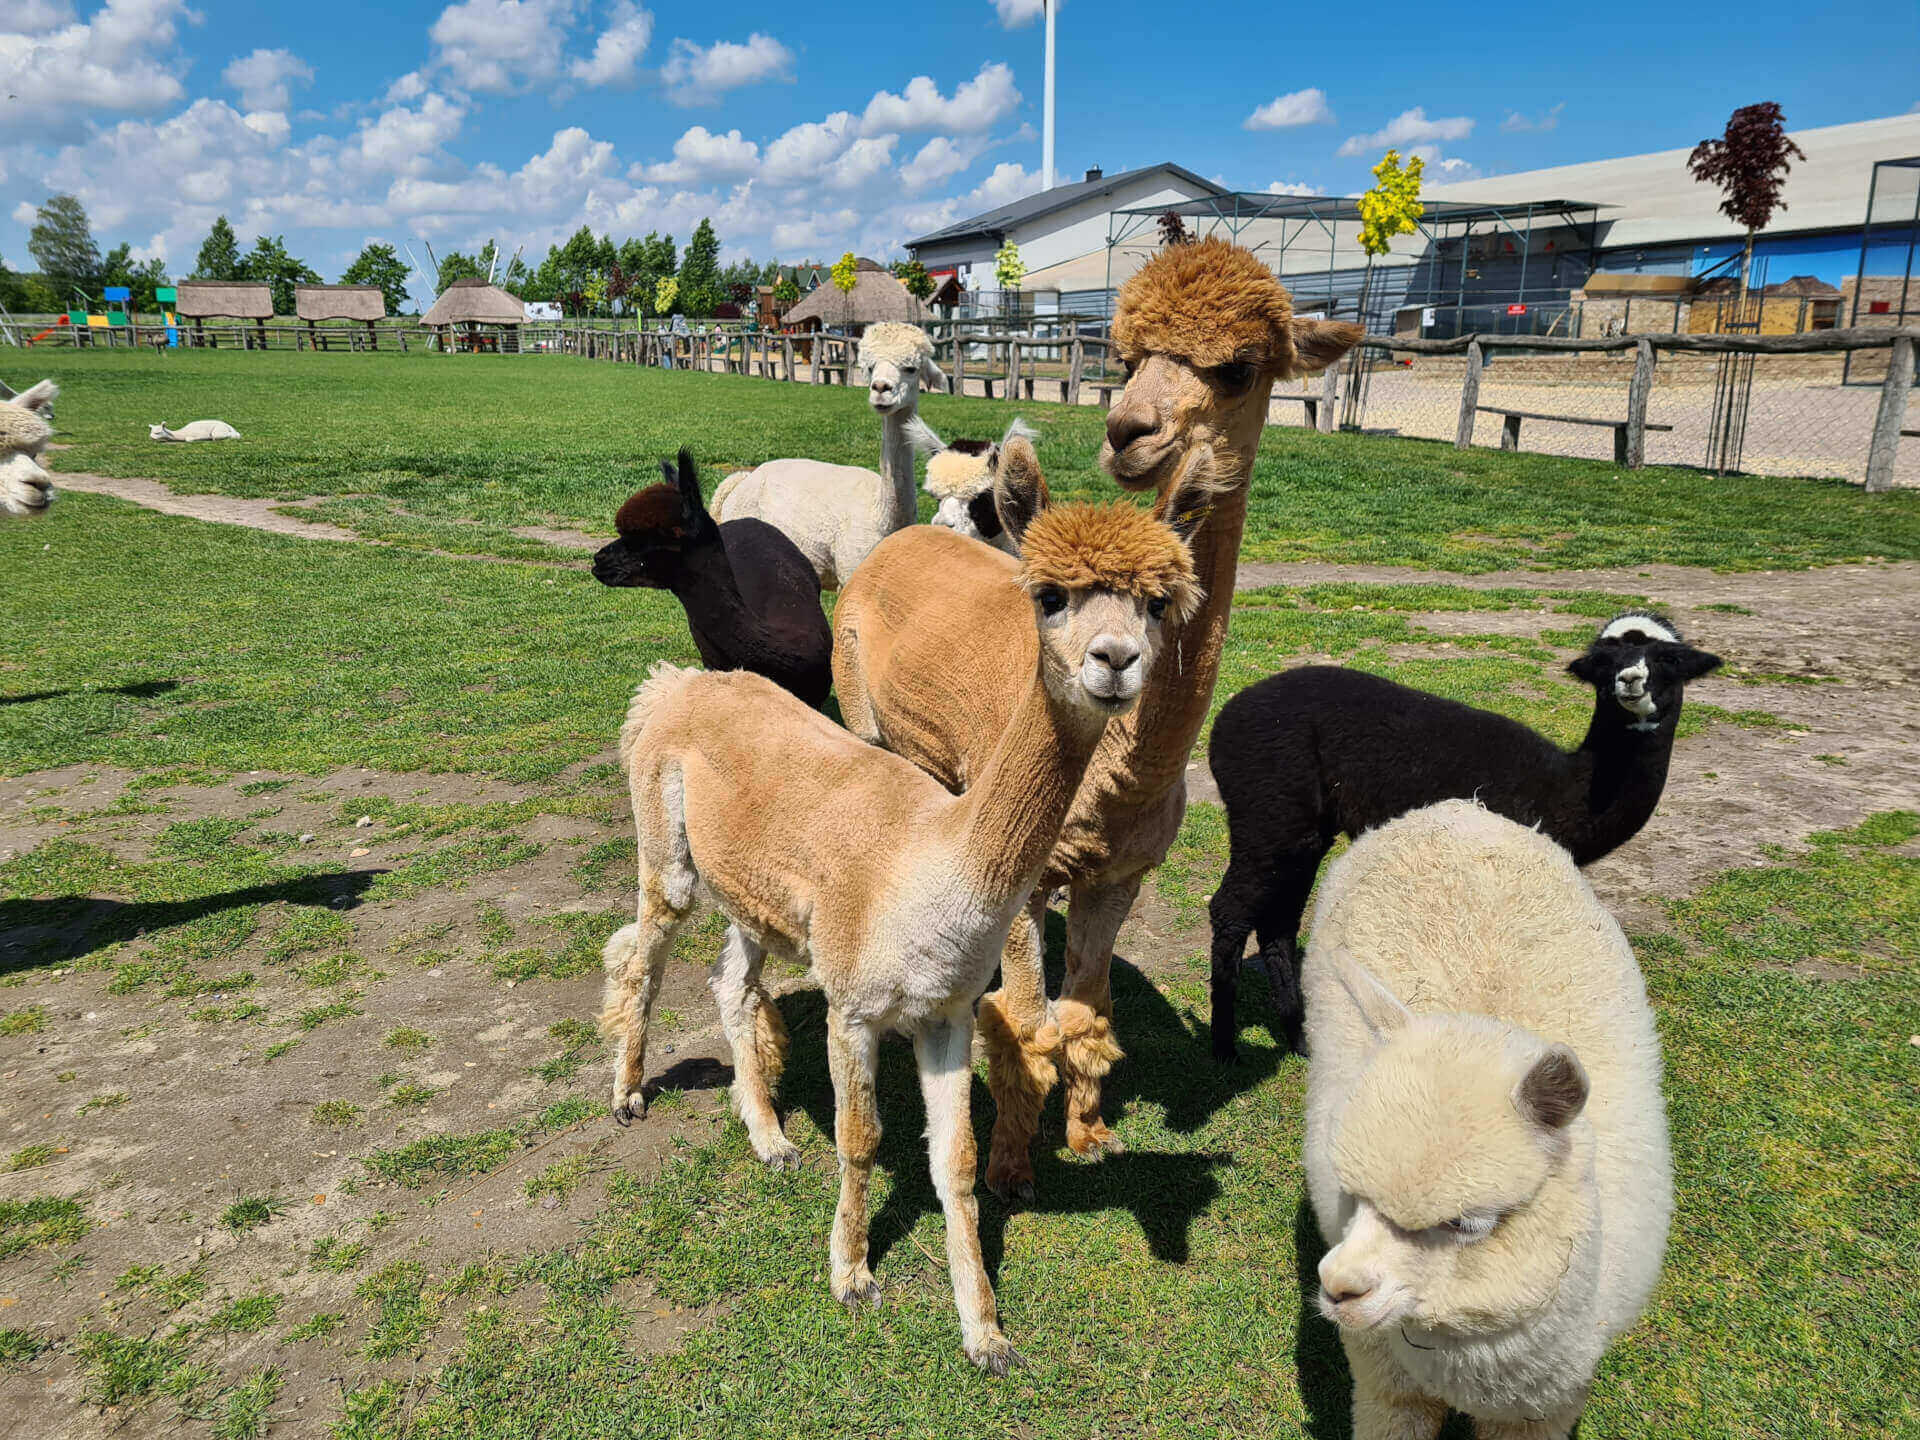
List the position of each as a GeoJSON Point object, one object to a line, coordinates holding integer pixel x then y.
{"type": "Point", "coordinates": [1338, 209]}
{"type": "Point", "coordinates": [1045, 202]}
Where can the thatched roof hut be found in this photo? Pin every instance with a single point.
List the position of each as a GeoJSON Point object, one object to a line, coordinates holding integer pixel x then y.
{"type": "Point", "coordinates": [339, 302]}
{"type": "Point", "coordinates": [474, 302]}
{"type": "Point", "coordinates": [224, 299]}
{"type": "Point", "coordinates": [876, 296]}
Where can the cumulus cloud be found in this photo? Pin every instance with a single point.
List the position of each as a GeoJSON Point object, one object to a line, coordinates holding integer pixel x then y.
{"type": "Point", "coordinates": [494, 47]}
{"type": "Point", "coordinates": [1009, 181]}
{"type": "Point", "coordinates": [405, 140]}
{"type": "Point", "coordinates": [1293, 187]}
{"type": "Point", "coordinates": [696, 76]}
{"type": "Point", "coordinates": [1409, 127]}
{"type": "Point", "coordinates": [1015, 13]}
{"type": "Point", "coordinates": [860, 162]}
{"type": "Point", "coordinates": [617, 52]}
{"type": "Point", "coordinates": [806, 150]}
{"type": "Point", "coordinates": [702, 155]}
{"type": "Point", "coordinates": [941, 158]}
{"type": "Point", "coordinates": [59, 73]}
{"type": "Point", "coordinates": [1301, 107]}
{"type": "Point", "coordinates": [37, 17]}
{"type": "Point", "coordinates": [977, 104]}
{"type": "Point", "coordinates": [410, 86]}
{"type": "Point", "coordinates": [1443, 169]}
{"type": "Point", "coordinates": [1546, 120]}
{"type": "Point", "coordinates": [265, 79]}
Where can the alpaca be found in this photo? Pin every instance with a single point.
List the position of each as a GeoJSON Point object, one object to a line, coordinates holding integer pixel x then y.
{"type": "Point", "coordinates": [960, 479]}
{"type": "Point", "coordinates": [1320, 751]}
{"type": "Point", "coordinates": [837, 513]}
{"type": "Point", "coordinates": [752, 600]}
{"type": "Point", "coordinates": [930, 659]}
{"type": "Point", "coordinates": [25, 428]}
{"type": "Point", "coordinates": [897, 894]}
{"type": "Point", "coordinates": [194, 430]}
{"type": "Point", "coordinates": [1486, 1146]}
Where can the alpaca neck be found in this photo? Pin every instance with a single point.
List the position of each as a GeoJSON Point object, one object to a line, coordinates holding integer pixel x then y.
{"type": "Point", "coordinates": [896, 468]}
{"type": "Point", "coordinates": [1623, 772]}
{"type": "Point", "coordinates": [704, 585]}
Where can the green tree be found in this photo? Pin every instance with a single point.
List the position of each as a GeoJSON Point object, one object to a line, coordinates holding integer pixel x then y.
{"type": "Point", "coordinates": [1008, 271]}
{"type": "Point", "coordinates": [1392, 207]}
{"type": "Point", "coordinates": [270, 261]}
{"type": "Point", "coordinates": [785, 291]}
{"type": "Point", "coordinates": [913, 275]}
{"type": "Point", "coordinates": [219, 253]}
{"type": "Point", "coordinates": [455, 265]}
{"type": "Point", "coordinates": [664, 294]}
{"type": "Point", "coordinates": [846, 275]}
{"type": "Point", "coordinates": [379, 265]}
{"type": "Point", "coordinates": [117, 267]}
{"type": "Point", "coordinates": [62, 245]}
{"type": "Point", "coordinates": [700, 271]}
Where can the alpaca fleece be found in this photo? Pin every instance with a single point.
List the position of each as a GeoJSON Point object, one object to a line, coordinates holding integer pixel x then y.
{"type": "Point", "coordinates": [1118, 545]}
{"type": "Point", "coordinates": [890, 340]}
{"type": "Point", "coordinates": [25, 486]}
{"type": "Point", "coordinates": [1486, 1146]}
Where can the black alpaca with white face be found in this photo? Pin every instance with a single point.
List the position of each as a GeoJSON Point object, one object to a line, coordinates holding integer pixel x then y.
{"type": "Point", "coordinates": [1320, 751]}
{"type": "Point", "coordinates": [752, 599]}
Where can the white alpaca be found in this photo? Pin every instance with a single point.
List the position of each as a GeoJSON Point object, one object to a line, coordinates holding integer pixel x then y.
{"type": "Point", "coordinates": [25, 487]}
{"type": "Point", "coordinates": [197, 430]}
{"type": "Point", "coordinates": [837, 513]}
{"type": "Point", "coordinates": [1489, 1158]}
{"type": "Point", "coordinates": [960, 478]}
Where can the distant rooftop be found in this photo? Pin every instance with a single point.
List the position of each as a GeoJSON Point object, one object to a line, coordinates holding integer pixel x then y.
{"type": "Point", "coordinates": [1044, 202]}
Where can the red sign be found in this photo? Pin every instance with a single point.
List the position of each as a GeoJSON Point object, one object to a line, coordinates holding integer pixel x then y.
{"type": "Point", "coordinates": [1516, 309]}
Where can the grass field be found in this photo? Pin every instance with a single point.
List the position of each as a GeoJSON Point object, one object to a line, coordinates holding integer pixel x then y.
{"type": "Point", "coordinates": [307, 850]}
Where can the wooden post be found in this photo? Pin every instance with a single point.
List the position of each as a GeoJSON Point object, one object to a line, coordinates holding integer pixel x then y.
{"type": "Point", "coordinates": [786, 355]}
{"type": "Point", "coordinates": [1076, 358]}
{"type": "Point", "coordinates": [1469, 398]}
{"type": "Point", "coordinates": [817, 354]}
{"type": "Point", "coordinates": [1013, 367]}
{"type": "Point", "coordinates": [959, 362]}
{"type": "Point", "coordinates": [1639, 389]}
{"type": "Point", "coordinates": [1329, 391]}
{"type": "Point", "coordinates": [1893, 412]}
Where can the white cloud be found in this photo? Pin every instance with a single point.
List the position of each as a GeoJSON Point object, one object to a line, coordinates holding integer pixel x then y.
{"type": "Point", "coordinates": [702, 155]}
{"type": "Point", "coordinates": [1407, 128]}
{"type": "Point", "coordinates": [37, 17]}
{"type": "Point", "coordinates": [1302, 107]}
{"type": "Point", "coordinates": [941, 158]}
{"type": "Point", "coordinates": [861, 162]}
{"type": "Point", "coordinates": [410, 86]}
{"type": "Point", "coordinates": [1547, 120]}
{"type": "Point", "coordinates": [1015, 13]}
{"type": "Point", "coordinates": [618, 50]}
{"type": "Point", "coordinates": [1443, 169]}
{"type": "Point", "coordinates": [405, 140]}
{"type": "Point", "coordinates": [1293, 187]}
{"type": "Point", "coordinates": [270, 124]}
{"type": "Point", "coordinates": [1009, 181]}
{"type": "Point", "coordinates": [806, 150]}
{"type": "Point", "coordinates": [977, 104]}
{"type": "Point", "coordinates": [497, 46]}
{"type": "Point", "coordinates": [58, 74]}
{"type": "Point", "coordinates": [265, 79]}
{"type": "Point", "coordinates": [694, 76]}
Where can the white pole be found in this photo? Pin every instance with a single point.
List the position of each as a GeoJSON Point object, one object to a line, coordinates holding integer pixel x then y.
{"type": "Point", "coordinates": [1046, 143]}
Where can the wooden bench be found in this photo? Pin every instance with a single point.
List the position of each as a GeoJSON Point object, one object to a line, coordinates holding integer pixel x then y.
{"type": "Point", "coordinates": [1312, 402]}
{"type": "Point", "coordinates": [1510, 427]}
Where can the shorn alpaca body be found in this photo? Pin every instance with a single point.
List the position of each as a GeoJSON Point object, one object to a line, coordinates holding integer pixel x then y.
{"type": "Point", "coordinates": [1318, 752]}
{"type": "Point", "coordinates": [1486, 1145]}
{"type": "Point", "coordinates": [960, 480]}
{"type": "Point", "coordinates": [752, 600]}
{"type": "Point", "coordinates": [897, 894]}
{"type": "Point", "coordinates": [194, 431]}
{"type": "Point", "coordinates": [26, 488]}
{"type": "Point", "coordinates": [931, 657]}
{"type": "Point", "coordinates": [837, 513]}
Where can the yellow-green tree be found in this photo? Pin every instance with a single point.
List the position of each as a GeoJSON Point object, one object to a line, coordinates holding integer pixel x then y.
{"type": "Point", "coordinates": [1392, 207]}
{"type": "Point", "coordinates": [664, 294]}
{"type": "Point", "coordinates": [1009, 269]}
{"type": "Point", "coordinates": [846, 275]}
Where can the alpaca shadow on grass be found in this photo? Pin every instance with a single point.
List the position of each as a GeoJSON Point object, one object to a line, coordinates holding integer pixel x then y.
{"type": "Point", "coordinates": [140, 690]}
{"type": "Point", "coordinates": [67, 927]}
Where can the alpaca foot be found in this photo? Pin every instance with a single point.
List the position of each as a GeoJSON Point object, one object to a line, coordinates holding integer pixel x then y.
{"type": "Point", "coordinates": [1011, 1177]}
{"type": "Point", "coordinates": [993, 1352]}
{"type": "Point", "coordinates": [856, 1288]}
{"type": "Point", "coordinates": [1225, 1050]}
{"type": "Point", "coordinates": [1294, 1034]}
{"type": "Point", "coordinates": [779, 1154]}
{"type": "Point", "coordinates": [628, 1105]}
{"type": "Point", "coordinates": [1095, 1141]}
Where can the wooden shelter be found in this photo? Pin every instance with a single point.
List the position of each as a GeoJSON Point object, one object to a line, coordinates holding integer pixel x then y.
{"type": "Point", "coordinates": [365, 303]}
{"type": "Point", "coordinates": [204, 300]}
{"type": "Point", "coordinates": [876, 296]}
{"type": "Point", "coordinates": [473, 315]}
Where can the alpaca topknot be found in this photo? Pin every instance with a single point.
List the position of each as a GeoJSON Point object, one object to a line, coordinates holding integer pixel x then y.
{"type": "Point", "coordinates": [891, 340]}
{"type": "Point", "coordinates": [1650, 623]}
{"type": "Point", "coordinates": [1208, 303]}
{"type": "Point", "coordinates": [652, 510]}
{"type": "Point", "coordinates": [1117, 547]}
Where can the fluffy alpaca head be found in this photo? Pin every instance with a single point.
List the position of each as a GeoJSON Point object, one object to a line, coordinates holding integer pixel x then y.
{"type": "Point", "coordinates": [657, 527]}
{"type": "Point", "coordinates": [960, 476]}
{"type": "Point", "coordinates": [25, 486]}
{"type": "Point", "coordinates": [898, 360]}
{"type": "Point", "coordinates": [1641, 661]}
{"type": "Point", "coordinates": [1460, 1190]}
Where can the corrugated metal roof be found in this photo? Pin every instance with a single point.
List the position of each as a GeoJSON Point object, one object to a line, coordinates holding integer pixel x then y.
{"type": "Point", "coordinates": [1045, 202]}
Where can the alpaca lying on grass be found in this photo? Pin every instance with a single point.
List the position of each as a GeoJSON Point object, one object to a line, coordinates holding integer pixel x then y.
{"type": "Point", "coordinates": [752, 600]}
{"type": "Point", "coordinates": [1486, 1145]}
{"type": "Point", "coordinates": [960, 478]}
{"type": "Point", "coordinates": [837, 513]}
{"type": "Point", "coordinates": [1320, 751]}
{"type": "Point", "coordinates": [895, 892]}
{"type": "Point", "coordinates": [195, 430]}
{"type": "Point", "coordinates": [25, 486]}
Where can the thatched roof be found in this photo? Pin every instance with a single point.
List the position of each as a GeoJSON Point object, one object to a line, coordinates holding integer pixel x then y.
{"type": "Point", "coordinates": [225, 299]}
{"type": "Point", "coordinates": [876, 296]}
{"type": "Point", "coordinates": [474, 302]}
{"type": "Point", "coordinates": [339, 302]}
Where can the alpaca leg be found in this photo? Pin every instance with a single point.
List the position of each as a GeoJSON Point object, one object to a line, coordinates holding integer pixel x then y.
{"type": "Point", "coordinates": [1387, 1405]}
{"type": "Point", "coordinates": [1231, 913]}
{"type": "Point", "coordinates": [1019, 1044]}
{"type": "Point", "coordinates": [636, 960]}
{"type": "Point", "coordinates": [1556, 1427]}
{"type": "Point", "coordinates": [1278, 923]}
{"type": "Point", "coordinates": [756, 1036]}
{"type": "Point", "coordinates": [1084, 1013]}
{"type": "Point", "coordinates": [852, 1053]}
{"type": "Point", "coordinates": [944, 1050]}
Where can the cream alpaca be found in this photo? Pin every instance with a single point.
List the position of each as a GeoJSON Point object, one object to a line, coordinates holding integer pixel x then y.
{"type": "Point", "coordinates": [25, 486]}
{"type": "Point", "coordinates": [895, 892]}
{"type": "Point", "coordinates": [194, 430]}
{"type": "Point", "coordinates": [960, 479]}
{"type": "Point", "coordinates": [837, 513]}
{"type": "Point", "coordinates": [1489, 1158]}
{"type": "Point", "coordinates": [930, 658]}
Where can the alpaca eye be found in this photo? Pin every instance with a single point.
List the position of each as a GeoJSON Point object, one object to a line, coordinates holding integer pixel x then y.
{"type": "Point", "coordinates": [1157, 606]}
{"type": "Point", "coordinates": [1468, 1228]}
{"type": "Point", "coordinates": [1052, 600]}
{"type": "Point", "coordinates": [1234, 376]}
{"type": "Point", "coordinates": [908, 369]}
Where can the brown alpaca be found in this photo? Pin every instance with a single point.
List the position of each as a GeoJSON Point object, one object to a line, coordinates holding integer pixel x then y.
{"type": "Point", "coordinates": [931, 658]}
{"type": "Point", "coordinates": [897, 893]}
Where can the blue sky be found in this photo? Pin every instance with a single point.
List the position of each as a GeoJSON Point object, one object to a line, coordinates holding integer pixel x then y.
{"type": "Point", "coordinates": [807, 130]}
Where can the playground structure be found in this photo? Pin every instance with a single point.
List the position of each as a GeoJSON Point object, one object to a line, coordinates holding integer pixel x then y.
{"type": "Point", "coordinates": [116, 321]}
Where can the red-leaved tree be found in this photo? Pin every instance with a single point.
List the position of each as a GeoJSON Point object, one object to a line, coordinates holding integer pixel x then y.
{"type": "Point", "coordinates": [1749, 163]}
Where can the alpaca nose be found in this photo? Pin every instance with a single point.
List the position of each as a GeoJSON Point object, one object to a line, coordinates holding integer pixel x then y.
{"type": "Point", "coordinates": [1341, 1283]}
{"type": "Point", "coordinates": [1341, 1291]}
{"type": "Point", "coordinates": [1116, 653]}
{"type": "Point", "coordinates": [1126, 425]}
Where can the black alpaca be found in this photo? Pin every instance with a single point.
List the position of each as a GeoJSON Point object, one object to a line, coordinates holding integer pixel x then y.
{"type": "Point", "coordinates": [752, 599]}
{"type": "Point", "coordinates": [1317, 752]}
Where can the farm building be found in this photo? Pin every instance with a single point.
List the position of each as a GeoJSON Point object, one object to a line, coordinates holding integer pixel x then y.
{"type": "Point", "coordinates": [241, 300]}
{"type": "Point", "coordinates": [364, 303]}
{"type": "Point", "coordinates": [472, 315]}
{"type": "Point", "coordinates": [876, 296]}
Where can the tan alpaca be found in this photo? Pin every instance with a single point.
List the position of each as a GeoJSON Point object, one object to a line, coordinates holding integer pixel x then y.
{"type": "Point", "coordinates": [931, 656]}
{"type": "Point", "coordinates": [896, 893]}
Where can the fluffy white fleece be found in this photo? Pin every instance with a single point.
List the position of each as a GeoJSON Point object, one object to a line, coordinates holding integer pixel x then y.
{"type": "Point", "coordinates": [25, 486]}
{"type": "Point", "coordinates": [195, 430]}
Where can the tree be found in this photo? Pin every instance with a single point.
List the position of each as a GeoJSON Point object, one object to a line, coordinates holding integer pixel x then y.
{"type": "Point", "coordinates": [1009, 270]}
{"type": "Point", "coordinates": [379, 265]}
{"type": "Point", "coordinates": [1749, 163]}
{"type": "Point", "coordinates": [664, 294]}
{"type": "Point", "coordinates": [700, 271]}
{"type": "Point", "coordinates": [62, 244]}
{"type": "Point", "coordinates": [913, 275]}
{"type": "Point", "coordinates": [846, 275]}
{"type": "Point", "coordinates": [269, 261]}
{"type": "Point", "coordinates": [1173, 228]}
{"type": "Point", "coordinates": [118, 268]}
{"type": "Point", "coordinates": [785, 292]}
{"type": "Point", "coordinates": [219, 253]}
{"type": "Point", "coordinates": [1392, 207]}
{"type": "Point", "coordinates": [456, 266]}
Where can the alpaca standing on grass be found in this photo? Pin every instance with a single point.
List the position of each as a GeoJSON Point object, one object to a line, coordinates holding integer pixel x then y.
{"type": "Point", "coordinates": [837, 513]}
{"type": "Point", "coordinates": [960, 479]}
{"type": "Point", "coordinates": [1321, 751]}
{"type": "Point", "coordinates": [1486, 1145]}
{"type": "Point", "coordinates": [896, 893]}
{"type": "Point", "coordinates": [195, 430]}
{"type": "Point", "coordinates": [25, 486]}
{"type": "Point", "coordinates": [752, 600]}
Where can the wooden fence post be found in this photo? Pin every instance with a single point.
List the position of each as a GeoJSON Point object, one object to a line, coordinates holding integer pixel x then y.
{"type": "Point", "coordinates": [1013, 367]}
{"type": "Point", "coordinates": [1639, 389]}
{"type": "Point", "coordinates": [1469, 397]}
{"type": "Point", "coordinates": [959, 362]}
{"type": "Point", "coordinates": [1076, 359]}
{"type": "Point", "coordinates": [1893, 413]}
{"type": "Point", "coordinates": [1329, 392]}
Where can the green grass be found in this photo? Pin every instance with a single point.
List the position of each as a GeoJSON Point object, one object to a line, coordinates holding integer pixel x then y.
{"type": "Point", "coordinates": [42, 1221]}
{"type": "Point", "coordinates": [250, 1212]}
{"type": "Point", "coordinates": [28, 1020]}
{"type": "Point", "coordinates": [20, 1347]}
{"type": "Point", "coordinates": [336, 1256]}
{"type": "Point", "coordinates": [405, 1037]}
{"type": "Point", "coordinates": [443, 1157]}
{"type": "Point", "coordinates": [30, 1157]}
{"type": "Point", "coordinates": [316, 1327]}
{"type": "Point", "coordinates": [248, 1315]}
{"type": "Point", "coordinates": [245, 1414]}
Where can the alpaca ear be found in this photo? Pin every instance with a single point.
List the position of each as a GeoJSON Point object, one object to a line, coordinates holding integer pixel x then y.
{"type": "Point", "coordinates": [932, 377]}
{"type": "Point", "coordinates": [37, 397]}
{"type": "Point", "coordinates": [1685, 662]}
{"type": "Point", "coordinates": [1381, 1011]}
{"type": "Point", "coordinates": [1589, 668]}
{"type": "Point", "coordinates": [1553, 1090]}
{"type": "Point", "coordinates": [920, 435]}
{"type": "Point", "coordinates": [1019, 489]}
{"type": "Point", "coordinates": [1318, 343]}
